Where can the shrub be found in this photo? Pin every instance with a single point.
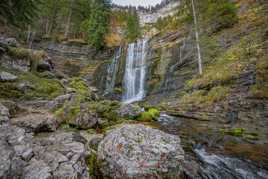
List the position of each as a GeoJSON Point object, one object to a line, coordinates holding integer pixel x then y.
{"type": "Point", "coordinates": [149, 115]}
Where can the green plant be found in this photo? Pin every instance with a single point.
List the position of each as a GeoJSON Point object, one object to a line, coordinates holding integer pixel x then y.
{"type": "Point", "coordinates": [149, 115]}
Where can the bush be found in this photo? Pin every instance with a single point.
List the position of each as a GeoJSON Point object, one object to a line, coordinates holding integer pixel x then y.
{"type": "Point", "coordinates": [150, 115]}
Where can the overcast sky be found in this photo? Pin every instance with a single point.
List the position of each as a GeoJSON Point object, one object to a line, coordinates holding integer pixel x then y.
{"type": "Point", "coordinates": [137, 2]}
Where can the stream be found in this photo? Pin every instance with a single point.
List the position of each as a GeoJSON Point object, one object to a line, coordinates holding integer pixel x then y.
{"type": "Point", "coordinates": [214, 166]}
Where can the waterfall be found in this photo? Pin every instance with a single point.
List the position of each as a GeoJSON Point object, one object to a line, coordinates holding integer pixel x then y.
{"type": "Point", "coordinates": [112, 71]}
{"type": "Point", "coordinates": [135, 71]}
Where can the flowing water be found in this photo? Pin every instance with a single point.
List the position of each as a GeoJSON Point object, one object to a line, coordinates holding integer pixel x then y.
{"type": "Point", "coordinates": [221, 167]}
{"type": "Point", "coordinates": [214, 166]}
{"type": "Point", "coordinates": [135, 71]}
{"type": "Point", "coordinates": [112, 71]}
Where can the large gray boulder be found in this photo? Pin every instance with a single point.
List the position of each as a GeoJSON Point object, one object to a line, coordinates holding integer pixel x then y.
{"type": "Point", "coordinates": [137, 151]}
{"type": "Point", "coordinates": [5, 76]}
{"type": "Point", "coordinates": [36, 122]}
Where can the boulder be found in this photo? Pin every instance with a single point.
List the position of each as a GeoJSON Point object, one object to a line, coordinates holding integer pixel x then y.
{"type": "Point", "coordinates": [36, 122]}
{"type": "Point", "coordinates": [129, 110]}
{"type": "Point", "coordinates": [5, 76]}
{"type": "Point", "coordinates": [86, 120]}
{"type": "Point", "coordinates": [137, 151]}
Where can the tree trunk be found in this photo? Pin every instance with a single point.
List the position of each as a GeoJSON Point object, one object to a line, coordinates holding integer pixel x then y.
{"type": "Point", "coordinates": [200, 68]}
{"type": "Point", "coordinates": [67, 27]}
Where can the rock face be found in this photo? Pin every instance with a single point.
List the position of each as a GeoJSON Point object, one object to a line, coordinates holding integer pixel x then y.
{"type": "Point", "coordinates": [137, 151]}
{"type": "Point", "coordinates": [46, 156]}
{"type": "Point", "coordinates": [43, 156]}
{"type": "Point", "coordinates": [5, 76]}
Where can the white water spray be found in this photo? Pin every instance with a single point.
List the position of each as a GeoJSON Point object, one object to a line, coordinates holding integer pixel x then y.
{"type": "Point", "coordinates": [134, 79]}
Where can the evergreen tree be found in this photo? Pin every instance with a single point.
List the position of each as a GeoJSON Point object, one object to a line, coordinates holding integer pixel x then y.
{"type": "Point", "coordinates": [133, 26]}
{"type": "Point", "coordinates": [18, 12]}
{"type": "Point", "coordinates": [96, 25]}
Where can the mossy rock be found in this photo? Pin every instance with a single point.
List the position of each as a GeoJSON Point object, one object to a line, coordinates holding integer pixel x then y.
{"type": "Point", "coordinates": [34, 56]}
{"type": "Point", "coordinates": [80, 86]}
{"type": "Point", "coordinates": [42, 88]}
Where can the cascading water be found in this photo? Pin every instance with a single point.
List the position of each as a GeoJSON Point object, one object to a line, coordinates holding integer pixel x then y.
{"type": "Point", "coordinates": [112, 71]}
{"type": "Point", "coordinates": [135, 71]}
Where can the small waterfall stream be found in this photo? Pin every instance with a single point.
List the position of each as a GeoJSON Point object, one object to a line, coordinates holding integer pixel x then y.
{"type": "Point", "coordinates": [112, 71]}
{"type": "Point", "coordinates": [135, 71]}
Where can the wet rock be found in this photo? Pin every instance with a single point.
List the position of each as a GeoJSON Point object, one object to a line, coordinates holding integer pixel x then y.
{"type": "Point", "coordinates": [4, 114]}
{"type": "Point", "coordinates": [129, 110]}
{"type": "Point", "coordinates": [217, 166]}
{"type": "Point", "coordinates": [137, 151]}
{"type": "Point", "coordinates": [36, 122]}
{"type": "Point", "coordinates": [5, 76]}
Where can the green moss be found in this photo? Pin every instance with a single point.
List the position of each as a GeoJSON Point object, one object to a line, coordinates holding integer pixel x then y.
{"type": "Point", "coordinates": [80, 86]}
{"type": "Point", "coordinates": [9, 91]}
{"type": "Point", "coordinates": [237, 132]}
{"type": "Point", "coordinates": [149, 115]}
{"type": "Point", "coordinates": [34, 56]}
{"type": "Point", "coordinates": [69, 111]}
{"type": "Point", "coordinates": [43, 88]}
{"type": "Point", "coordinates": [240, 132]}
{"type": "Point", "coordinates": [40, 88]}
{"type": "Point", "coordinates": [236, 58]}
{"type": "Point", "coordinates": [105, 109]}
{"type": "Point", "coordinates": [93, 165]}
{"type": "Point", "coordinates": [260, 89]}
{"type": "Point", "coordinates": [205, 98]}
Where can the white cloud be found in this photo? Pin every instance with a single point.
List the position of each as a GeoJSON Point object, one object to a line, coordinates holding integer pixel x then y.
{"type": "Point", "coordinates": [137, 2]}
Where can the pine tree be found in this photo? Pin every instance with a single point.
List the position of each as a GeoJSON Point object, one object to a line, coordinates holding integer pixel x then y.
{"type": "Point", "coordinates": [133, 27]}
{"type": "Point", "coordinates": [96, 25]}
{"type": "Point", "coordinates": [19, 13]}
